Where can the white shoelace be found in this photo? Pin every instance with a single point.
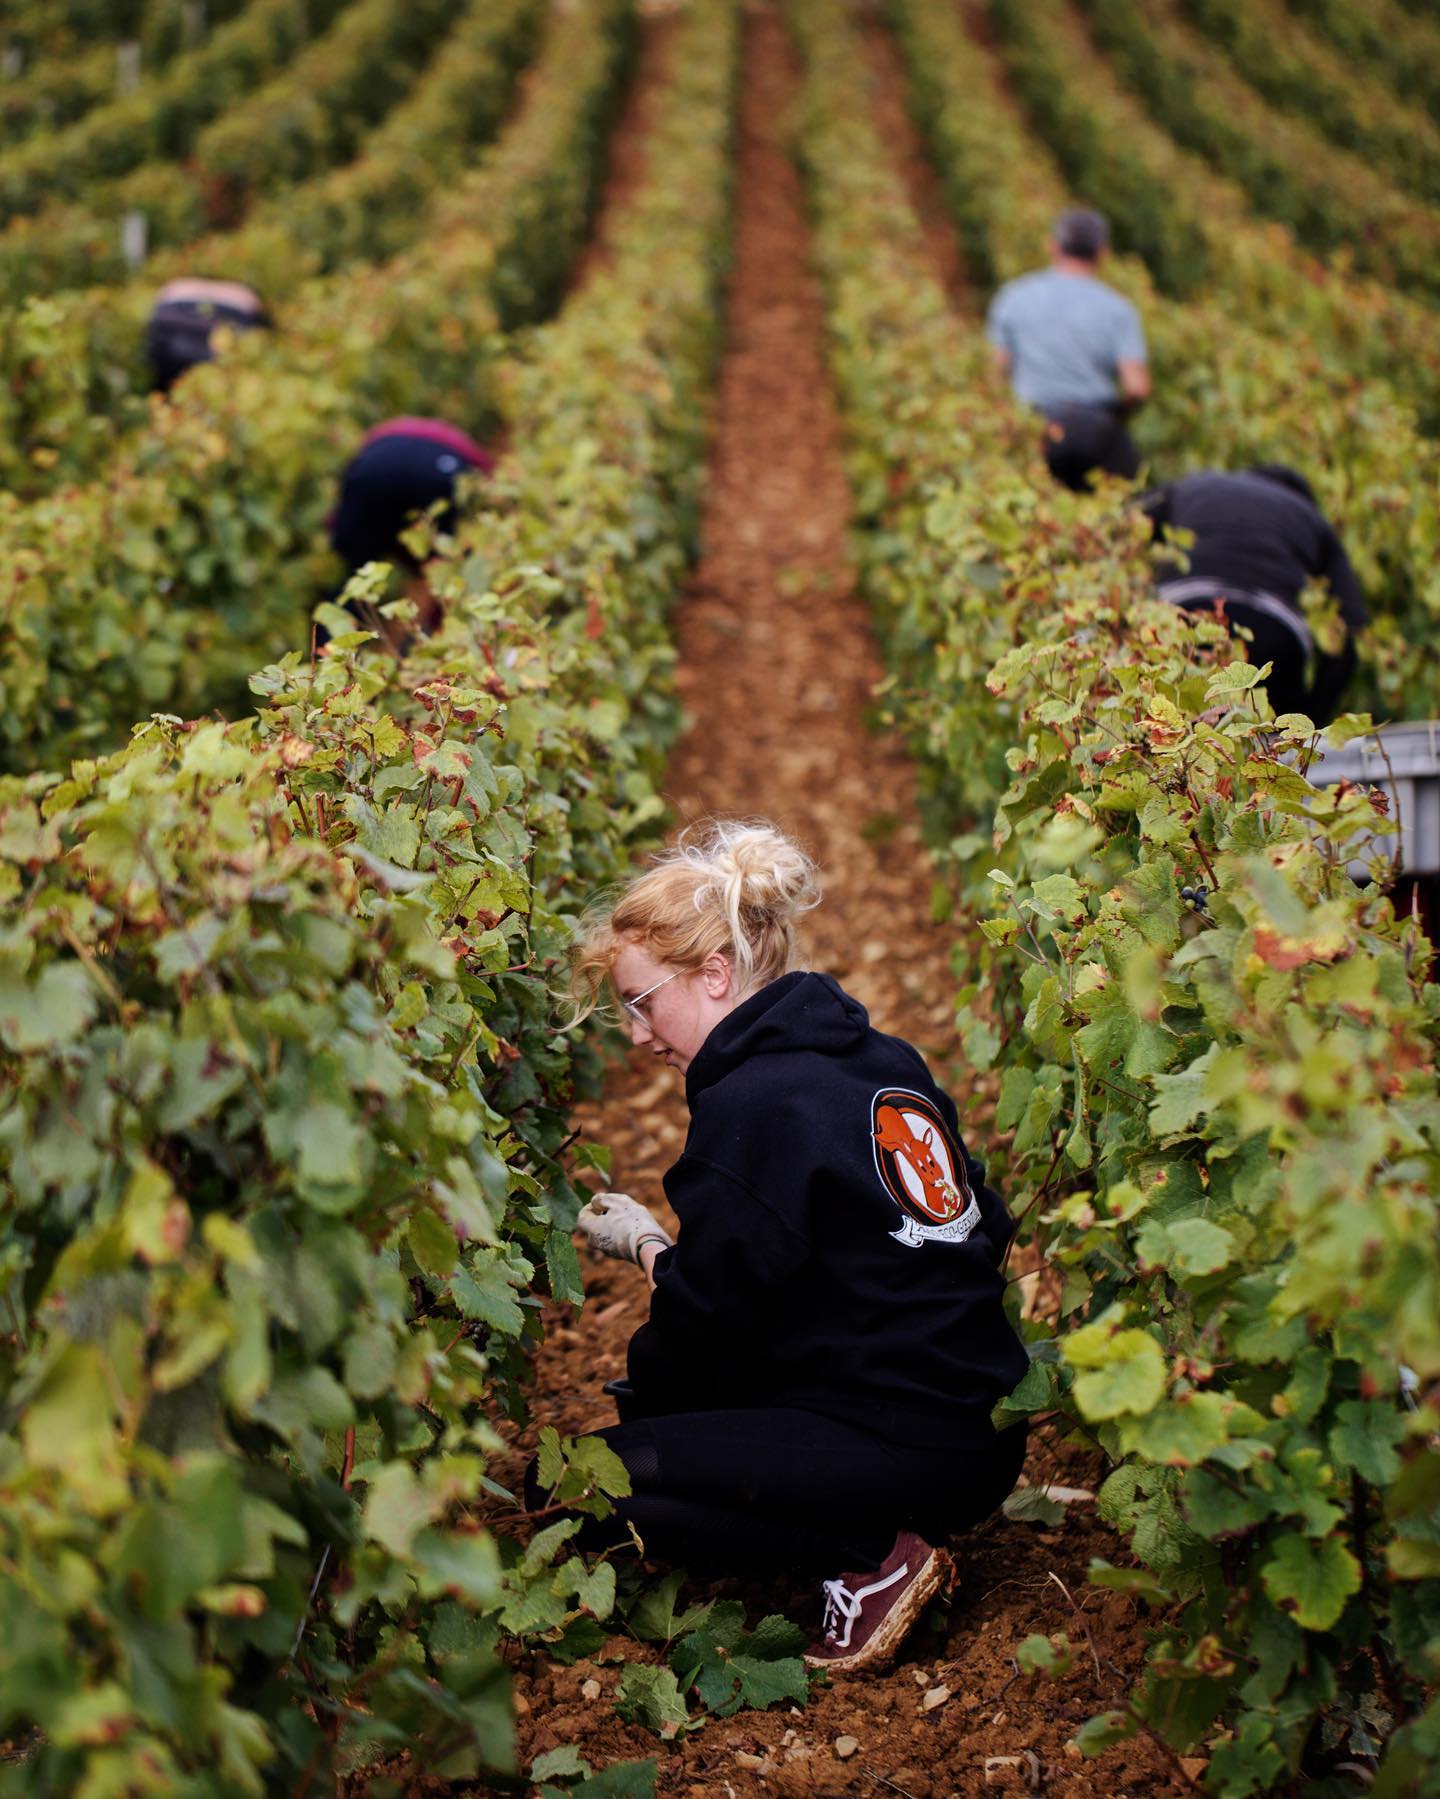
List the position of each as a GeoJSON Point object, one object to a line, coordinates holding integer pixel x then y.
{"type": "Point", "coordinates": [840, 1603]}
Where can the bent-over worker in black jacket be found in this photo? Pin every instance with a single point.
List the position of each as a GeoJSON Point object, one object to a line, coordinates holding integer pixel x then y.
{"type": "Point", "coordinates": [827, 1337]}
{"type": "Point", "coordinates": [180, 332]}
{"type": "Point", "coordinates": [1260, 539]}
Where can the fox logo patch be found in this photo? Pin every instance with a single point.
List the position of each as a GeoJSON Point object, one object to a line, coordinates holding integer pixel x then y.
{"type": "Point", "coordinates": [921, 1168]}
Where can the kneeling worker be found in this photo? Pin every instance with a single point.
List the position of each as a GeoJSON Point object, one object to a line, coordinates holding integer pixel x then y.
{"type": "Point", "coordinates": [1074, 349]}
{"type": "Point", "coordinates": [180, 332]}
{"type": "Point", "coordinates": [402, 468]}
{"type": "Point", "coordinates": [827, 1339]}
{"type": "Point", "coordinates": [1260, 540]}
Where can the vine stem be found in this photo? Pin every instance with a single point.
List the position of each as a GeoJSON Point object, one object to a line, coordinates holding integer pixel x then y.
{"type": "Point", "coordinates": [307, 1773]}
{"type": "Point", "coordinates": [1171, 1754]}
{"type": "Point", "coordinates": [1384, 1666]}
{"type": "Point", "coordinates": [1083, 1621]}
{"type": "Point", "coordinates": [1395, 800]}
{"type": "Point", "coordinates": [309, 1603]}
{"type": "Point", "coordinates": [1033, 1201]}
{"type": "Point", "coordinates": [885, 1781]}
{"type": "Point", "coordinates": [1205, 860]}
{"type": "Point", "coordinates": [97, 973]}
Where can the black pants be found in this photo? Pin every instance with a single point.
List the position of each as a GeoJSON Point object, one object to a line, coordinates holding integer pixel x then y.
{"type": "Point", "coordinates": [1289, 684]}
{"type": "Point", "coordinates": [1083, 440]}
{"type": "Point", "coordinates": [759, 1491]}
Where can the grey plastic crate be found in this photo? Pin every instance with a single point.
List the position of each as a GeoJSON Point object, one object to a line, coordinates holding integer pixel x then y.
{"type": "Point", "coordinates": [1404, 760]}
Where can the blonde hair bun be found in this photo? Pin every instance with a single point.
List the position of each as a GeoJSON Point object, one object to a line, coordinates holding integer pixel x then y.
{"type": "Point", "coordinates": [732, 886]}
{"type": "Point", "coordinates": [747, 867]}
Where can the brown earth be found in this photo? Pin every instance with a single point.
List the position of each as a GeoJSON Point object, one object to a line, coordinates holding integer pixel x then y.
{"type": "Point", "coordinates": [776, 670]}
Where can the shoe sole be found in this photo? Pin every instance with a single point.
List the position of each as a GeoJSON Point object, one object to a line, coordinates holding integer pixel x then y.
{"type": "Point", "coordinates": [934, 1574]}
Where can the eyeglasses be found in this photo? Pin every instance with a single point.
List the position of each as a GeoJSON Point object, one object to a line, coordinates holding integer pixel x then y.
{"type": "Point", "coordinates": [632, 1006]}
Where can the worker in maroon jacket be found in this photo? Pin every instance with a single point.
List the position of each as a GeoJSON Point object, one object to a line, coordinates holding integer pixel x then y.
{"type": "Point", "coordinates": [402, 469]}
{"type": "Point", "coordinates": [827, 1336]}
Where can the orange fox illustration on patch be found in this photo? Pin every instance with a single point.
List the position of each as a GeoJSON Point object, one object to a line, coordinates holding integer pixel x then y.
{"type": "Point", "coordinates": [921, 1168]}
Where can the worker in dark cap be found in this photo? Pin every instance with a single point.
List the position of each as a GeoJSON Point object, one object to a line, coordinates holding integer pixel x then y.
{"type": "Point", "coordinates": [186, 315]}
{"type": "Point", "coordinates": [1074, 349]}
{"type": "Point", "coordinates": [1259, 541]}
{"type": "Point", "coordinates": [402, 469]}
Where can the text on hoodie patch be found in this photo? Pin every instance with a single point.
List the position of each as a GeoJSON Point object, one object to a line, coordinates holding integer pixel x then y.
{"type": "Point", "coordinates": [921, 1168]}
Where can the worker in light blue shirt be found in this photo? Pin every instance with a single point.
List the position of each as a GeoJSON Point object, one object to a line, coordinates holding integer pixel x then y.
{"type": "Point", "coordinates": [1074, 349]}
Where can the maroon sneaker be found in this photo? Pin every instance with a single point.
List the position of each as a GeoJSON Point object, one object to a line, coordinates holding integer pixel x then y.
{"type": "Point", "coordinates": [868, 1616]}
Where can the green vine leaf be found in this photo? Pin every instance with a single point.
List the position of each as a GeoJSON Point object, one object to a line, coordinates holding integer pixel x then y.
{"type": "Point", "coordinates": [1311, 1580]}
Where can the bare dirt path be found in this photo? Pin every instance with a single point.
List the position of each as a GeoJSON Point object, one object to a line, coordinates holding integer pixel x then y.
{"type": "Point", "coordinates": [776, 670]}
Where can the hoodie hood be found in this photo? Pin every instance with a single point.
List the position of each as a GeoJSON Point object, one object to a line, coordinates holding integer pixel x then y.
{"type": "Point", "coordinates": [800, 1011]}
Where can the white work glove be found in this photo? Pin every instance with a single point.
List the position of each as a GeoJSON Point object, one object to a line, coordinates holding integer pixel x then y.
{"type": "Point", "coordinates": [616, 1225]}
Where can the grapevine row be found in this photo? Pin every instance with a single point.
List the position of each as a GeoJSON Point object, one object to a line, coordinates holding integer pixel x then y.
{"type": "Point", "coordinates": [59, 88]}
{"type": "Point", "coordinates": [1216, 1119]}
{"type": "Point", "coordinates": [1329, 199]}
{"type": "Point", "coordinates": [163, 116]}
{"type": "Point", "coordinates": [1378, 35]}
{"type": "Point", "coordinates": [1281, 60]}
{"type": "Point", "coordinates": [89, 640]}
{"type": "Point", "coordinates": [64, 24]}
{"type": "Point", "coordinates": [42, 28]}
{"type": "Point", "coordinates": [1194, 227]}
{"type": "Point", "coordinates": [1226, 395]}
{"type": "Point", "coordinates": [288, 990]}
{"type": "Point", "coordinates": [76, 361]}
{"type": "Point", "coordinates": [308, 119]}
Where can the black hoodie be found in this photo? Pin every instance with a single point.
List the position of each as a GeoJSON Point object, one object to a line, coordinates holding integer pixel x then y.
{"type": "Point", "coordinates": [1254, 532]}
{"type": "Point", "coordinates": [838, 1249]}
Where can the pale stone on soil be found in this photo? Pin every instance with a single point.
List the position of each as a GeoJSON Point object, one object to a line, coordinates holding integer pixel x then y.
{"type": "Point", "coordinates": [846, 1747]}
{"type": "Point", "coordinates": [1027, 1759]}
{"type": "Point", "coordinates": [590, 1690]}
{"type": "Point", "coordinates": [936, 1696]}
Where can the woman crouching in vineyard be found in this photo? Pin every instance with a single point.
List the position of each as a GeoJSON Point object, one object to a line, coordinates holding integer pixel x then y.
{"type": "Point", "coordinates": [812, 1390]}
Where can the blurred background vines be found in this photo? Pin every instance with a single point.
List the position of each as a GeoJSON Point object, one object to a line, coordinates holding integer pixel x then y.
{"type": "Point", "coordinates": [286, 1141]}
